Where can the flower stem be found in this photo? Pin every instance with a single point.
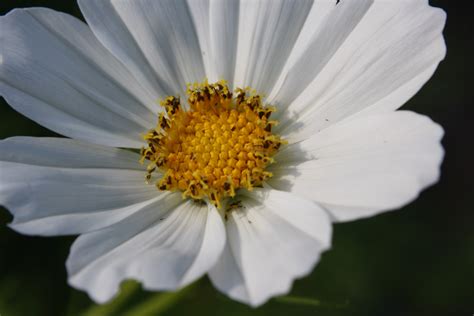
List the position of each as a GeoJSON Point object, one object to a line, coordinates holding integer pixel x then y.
{"type": "Point", "coordinates": [308, 302]}
{"type": "Point", "coordinates": [128, 289]}
{"type": "Point", "coordinates": [160, 302]}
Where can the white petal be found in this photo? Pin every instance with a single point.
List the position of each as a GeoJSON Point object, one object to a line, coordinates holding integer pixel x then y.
{"type": "Point", "coordinates": [158, 39]}
{"type": "Point", "coordinates": [367, 55]}
{"type": "Point", "coordinates": [54, 71]}
{"type": "Point", "coordinates": [224, 21]}
{"type": "Point", "coordinates": [267, 32]}
{"type": "Point", "coordinates": [109, 28]}
{"type": "Point", "coordinates": [326, 39]}
{"type": "Point", "coordinates": [317, 15]}
{"type": "Point", "coordinates": [365, 166]}
{"type": "Point", "coordinates": [165, 246]}
{"type": "Point", "coordinates": [200, 13]}
{"type": "Point", "coordinates": [57, 186]}
{"type": "Point", "coordinates": [273, 239]}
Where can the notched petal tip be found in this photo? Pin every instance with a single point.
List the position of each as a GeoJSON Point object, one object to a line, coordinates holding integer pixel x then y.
{"type": "Point", "coordinates": [165, 247]}
{"type": "Point", "coordinates": [368, 165]}
{"type": "Point", "coordinates": [273, 239]}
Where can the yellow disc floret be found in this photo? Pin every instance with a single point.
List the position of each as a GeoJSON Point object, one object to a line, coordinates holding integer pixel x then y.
{"type": "Point", "coordinates": [222, 143]}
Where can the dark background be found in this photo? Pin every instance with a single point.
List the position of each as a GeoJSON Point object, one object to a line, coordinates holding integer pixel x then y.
{"type": "Point", "coordinates": [416, 261]}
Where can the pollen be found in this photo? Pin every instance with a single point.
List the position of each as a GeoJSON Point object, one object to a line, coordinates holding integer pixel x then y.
{"type": "Point", "coordinates": [220, 144]}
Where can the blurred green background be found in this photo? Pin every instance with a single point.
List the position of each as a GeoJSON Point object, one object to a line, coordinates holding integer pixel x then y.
{"type": "Point", "coordinates": [416, 261]}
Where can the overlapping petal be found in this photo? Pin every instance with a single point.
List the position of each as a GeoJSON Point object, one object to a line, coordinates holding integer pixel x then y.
{"type": "Point", "coordinates": [273, 238]}
{"type": "Point", "coordinates": [366, 56]}
{"type": "Point", "coordinates": [57, 186]}
{"type": "Point", "coordinates": [223, 39]}
{"type": "Point", "coordinates": [167, 245]}
{"type": "Point", "coordinates": [267, 31]}
{"type": "Point", "coordinates": [157, 40]}
{"type": "Point", "coordinates": [54, 71]}
{"type": "Point", "coordinates": [364, 166]}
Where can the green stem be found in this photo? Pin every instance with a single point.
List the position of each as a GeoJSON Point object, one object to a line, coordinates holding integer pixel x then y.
{"type": "Point", "coordinates": [308, 302]}
{"type": "Point", "coordinates": [160, 302]}
{"type": "Point", "coordinates": [128, 289]}
{"type": "Point", "coordinates": [298, 300]}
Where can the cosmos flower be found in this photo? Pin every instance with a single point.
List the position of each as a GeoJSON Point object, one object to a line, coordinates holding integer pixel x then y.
{"type": "Point", "coordinates": [256, 124]}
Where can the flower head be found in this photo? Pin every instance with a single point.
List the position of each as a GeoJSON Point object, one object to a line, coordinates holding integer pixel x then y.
{"type": "Point", "coordinates": [260, 122]}
{"type": "Point", "coordinates": [222, 144]}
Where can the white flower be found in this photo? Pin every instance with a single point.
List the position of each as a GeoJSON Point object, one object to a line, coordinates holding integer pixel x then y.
{"type": "Point", "coordinates": [335, 73]}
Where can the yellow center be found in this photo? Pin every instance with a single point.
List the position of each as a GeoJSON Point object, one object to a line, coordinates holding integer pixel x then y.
{"type": "Point", "coordinates": [221, 144]}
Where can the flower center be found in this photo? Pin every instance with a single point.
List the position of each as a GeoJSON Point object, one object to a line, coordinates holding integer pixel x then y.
{"type": "Point", "coordinates": [221, 144]}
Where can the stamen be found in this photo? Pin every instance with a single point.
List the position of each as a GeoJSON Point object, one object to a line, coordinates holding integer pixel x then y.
{"type": "Point", "coordinates": [223, 143]}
